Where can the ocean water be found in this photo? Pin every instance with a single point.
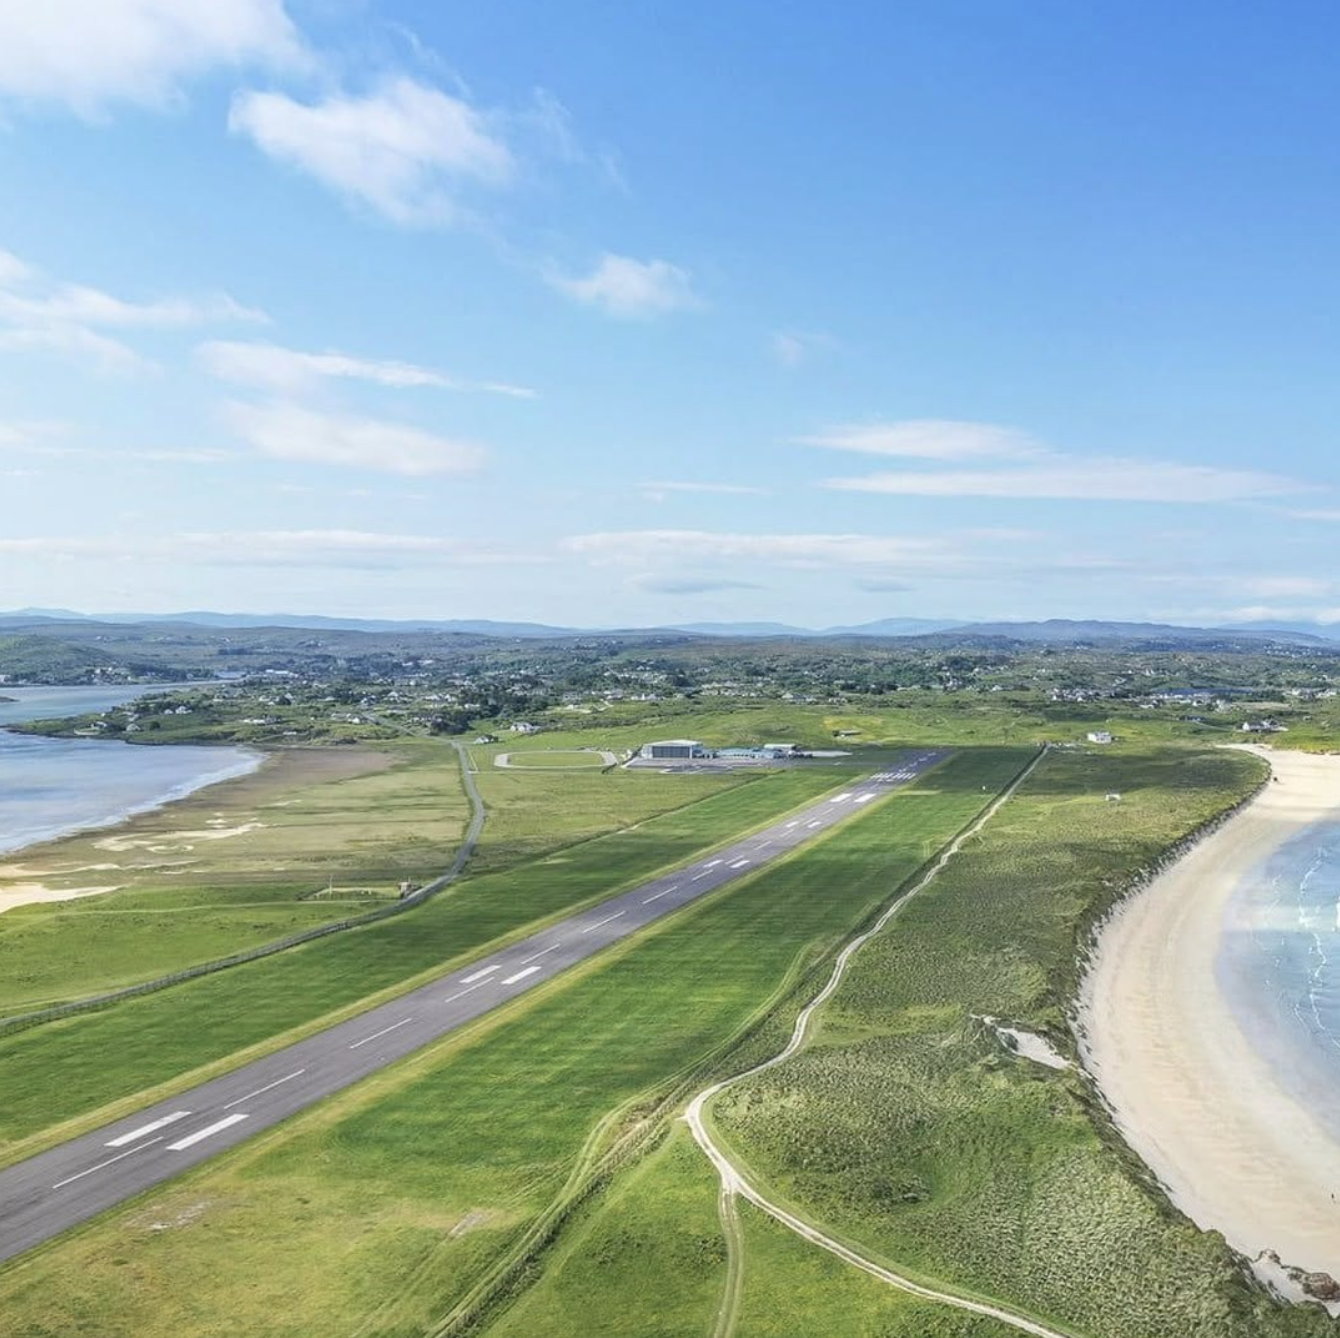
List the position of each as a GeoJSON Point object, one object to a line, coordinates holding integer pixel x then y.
{"type": "Point", "coordinates": [51, 787]}
{"type": "Point", "coordinates": [1279, 966]}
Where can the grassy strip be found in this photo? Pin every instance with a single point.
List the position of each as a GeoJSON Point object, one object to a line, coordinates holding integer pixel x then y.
{"type": "Point", "coordinates": [377, 1211]}
{"type": "Point", "coordinates": [70, 1068]}
{"type": "Point", "coordinates": [907, 1129]}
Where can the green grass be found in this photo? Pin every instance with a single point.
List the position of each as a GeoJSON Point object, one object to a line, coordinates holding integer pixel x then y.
{"type": "Point", "coordinates": [69, 1068]}
{"type": "Point", "coordinates": [539, 812]}
{"type": "Point", "coordinates": [906, 1128]}
{"type": "Point", "coordinates": [230, 868]}
{"type": "Point", "coordinates": [792, 1289]}
{"type": "Point", "coordinates": [377, 1211]}
{"type": "Point", "coordinates": [541, 759]}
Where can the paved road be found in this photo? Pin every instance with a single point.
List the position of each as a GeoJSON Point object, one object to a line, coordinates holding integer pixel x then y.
{"type": "Point", "coordinates": [69, 1184]}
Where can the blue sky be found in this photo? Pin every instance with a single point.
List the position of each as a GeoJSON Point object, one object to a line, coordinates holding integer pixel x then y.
{"type": "Point", "coordinates": [633, 314]}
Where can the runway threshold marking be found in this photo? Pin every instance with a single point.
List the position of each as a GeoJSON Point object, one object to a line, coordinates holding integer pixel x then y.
{"type": "Point", "coordinates": [605, 921]}
{"type": "Point", "coordinates": [479, 975]}
{"type": "Point", "coordinates": [207, 1132]}
{"type": "Point", "coordinates": [129, 1152]}
{"type": "Point", "coordinates": [268, 1086]}
{"type": "Point", "coordinates": [521, 975]}
{"type": "Point", "coordinates": [541, 953]}
{"type": "Point", "coordinates": [152, 1128]}
{"type": "Point", "coordinates": [382, 1032]}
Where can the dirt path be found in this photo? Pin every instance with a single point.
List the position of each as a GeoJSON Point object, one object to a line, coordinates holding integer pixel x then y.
{"type": "Point", "coordinates": [733, 1182]}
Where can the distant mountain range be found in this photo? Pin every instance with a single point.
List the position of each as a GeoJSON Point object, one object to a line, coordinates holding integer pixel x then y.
{"type": "Point", "coordinates": [1053, 630]}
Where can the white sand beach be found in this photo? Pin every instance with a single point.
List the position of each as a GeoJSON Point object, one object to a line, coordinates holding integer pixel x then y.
{"type": "Point", "coordinates": [1189, 1093]}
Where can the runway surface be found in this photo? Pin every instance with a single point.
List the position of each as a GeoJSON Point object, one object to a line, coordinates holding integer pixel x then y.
{"type": "Point", "coordinates": [69, 1184]}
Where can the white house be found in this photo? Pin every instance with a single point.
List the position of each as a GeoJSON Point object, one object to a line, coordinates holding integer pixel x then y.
{"type": "Point", "coordinates": [1099, 736]}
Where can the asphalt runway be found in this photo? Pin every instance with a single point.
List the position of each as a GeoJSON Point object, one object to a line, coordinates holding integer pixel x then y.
{"type": "Point", "coordinates": [58, 1189]}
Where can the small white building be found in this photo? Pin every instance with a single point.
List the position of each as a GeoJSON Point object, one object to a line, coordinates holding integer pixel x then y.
{"type": "Point", "coordinates": [525, 727]}
{"type": "Point", "coordinates": [1099, 736]}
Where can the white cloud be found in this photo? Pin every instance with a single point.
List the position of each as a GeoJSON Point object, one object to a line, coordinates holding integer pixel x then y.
{"type": "Point", "coordinates": [690, 585]}
{"type": "Point", "coordinates": [291, 432]}
{"type": "Point", "coordinates": [1039, 472]}
{"type": "Point", "coordinates": [266, 548]}
{"type": "Point", "coordinates": [405, 150]}
{"type": "Point", "coordinates": [37, 312]}
{"type": "Point", "coordinates": [271, 367]}
{"type": "Point", "coordinates": [617, 547]}
{"type": "Point", "coordinates": [790, 348]}
{"type": "Point", "coordinates": [657, 492]}
{"type": "Point", "coordinates": [927, 439]}
{"type": "Point", "coordinates": [1288, 587]}
{"type": "Point", "coordinates": [89, 54]}
{"type": "Point", "coordinates": [622, 286]}
{"type": "Point", "coordinates": [1073, 478]}
{"type": "Point", "coordinates": [1328, 515]}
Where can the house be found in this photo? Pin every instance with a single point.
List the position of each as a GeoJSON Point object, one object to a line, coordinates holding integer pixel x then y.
{"type": "Point", "coordinates": [1099, 736]}
{"type": "Point", "coordinates": [525, 727]}
{"type": "Point", "coordinates": [487, 738]}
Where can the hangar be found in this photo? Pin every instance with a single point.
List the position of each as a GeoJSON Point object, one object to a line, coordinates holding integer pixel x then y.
{"type": "Point", "coordinates": [681, 750]}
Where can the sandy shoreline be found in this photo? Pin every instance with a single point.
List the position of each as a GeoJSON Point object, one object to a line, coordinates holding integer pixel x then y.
{"type": "Point", "coordinates": [1189, 1093]}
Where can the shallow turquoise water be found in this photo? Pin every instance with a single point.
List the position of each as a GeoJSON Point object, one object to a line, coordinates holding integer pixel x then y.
{"type": "Point", "coordinates": [1279, 966]}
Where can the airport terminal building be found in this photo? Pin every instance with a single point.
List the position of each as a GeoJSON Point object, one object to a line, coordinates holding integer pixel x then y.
{"type": "Point", "coordinates": [674, 750]}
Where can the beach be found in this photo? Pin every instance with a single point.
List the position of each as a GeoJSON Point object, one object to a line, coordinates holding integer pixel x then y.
{"type": "Point", "coordinates": [1193, 1089]}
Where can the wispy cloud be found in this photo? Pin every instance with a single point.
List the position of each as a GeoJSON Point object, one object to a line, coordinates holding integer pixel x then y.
{"type": "Point", "coordinates": [268, 548]}
{"type": "Point", "coordinates": [38, 312]}
{"type": "Point", "coordinates": [659, 491]}
{"type": "Point", "coordinates": [87, 55]}
{"type": "Point", "coordinates": [791, 348]}
{"type": "Point", "coordinates": [928, 439]}
{"type": "Point", "coordinates": [818, 550]}
{"type": "Point", "coordinates": [291, 432]}
{"type": "Point", "coordinates": [1075, 478]}
{"type": "Point", "coordinates": [405, 150]}
{"type": "Point", "coordinates": [625, 287]}
{"type": "Point", "coordinates": [272, 367]}
{"type": "Point", "coordinates": [690, 585]}
{"type": "Point", "coordinates": [1034, 470]}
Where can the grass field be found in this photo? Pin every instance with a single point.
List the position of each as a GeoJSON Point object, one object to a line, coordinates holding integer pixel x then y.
{"type": "Point", "coordinates": [225, 869]}
{"type": "Point", "coordinates": [540, 759]}
{"type": "Point", "coordinates": [907, 1128]}
{"type": "Point", "coordinates": [378, 1211]}
{"type": "Point", "coordinates": [68, 1068]}
{"type": "Point", "coordinates": [535, 813]}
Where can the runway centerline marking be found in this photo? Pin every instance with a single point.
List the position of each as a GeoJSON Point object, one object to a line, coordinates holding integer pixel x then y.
{"type": "Point", "coordinates": [605, 921]}
{"type": "Point", "coordinates": [656, 896]}
{"type": "Point", "coordinates": [200, 1134]}
{"type": "Point", "coordinates": [541, 953]}
{"type": "Point", "coordinates": [479, 975]}
{"type": "Point", "coordinates": [469, 989]}
{"type": "Point", "coordinates": [382, 1032]}
{"type": "Point", "coordinates": [521, 975]}
{"type": "Point", "coordinates": [739, 864]}
{"type": "Point", "coordinates": [129, 1152]}
{"type": "Point", "coordinates": [154, 1127]}
{"type": "Point", "coordinates": [268, 1087]}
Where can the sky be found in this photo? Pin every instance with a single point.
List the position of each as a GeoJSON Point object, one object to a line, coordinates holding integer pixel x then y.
{"type": "Point", "coordinates": [604, 314]}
